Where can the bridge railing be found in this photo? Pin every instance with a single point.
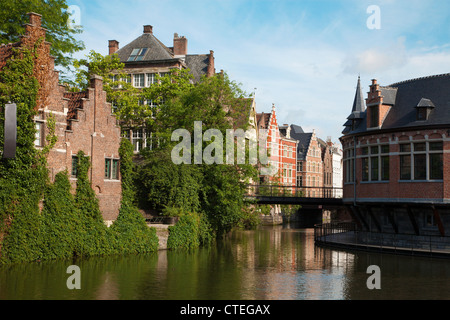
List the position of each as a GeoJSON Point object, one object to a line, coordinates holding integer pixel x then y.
{"type": "Point", "coordinates": [290, 191]}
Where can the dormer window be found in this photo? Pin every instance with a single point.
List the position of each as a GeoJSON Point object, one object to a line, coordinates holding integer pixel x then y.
{"type": "Point", "coordinates": [423, 109]}
{"type": "Point", "coordinates": [137, 54]}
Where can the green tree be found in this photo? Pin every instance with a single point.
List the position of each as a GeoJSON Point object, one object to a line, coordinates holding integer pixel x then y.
{"type": "Point", "coordinates": [127, 101]}
{"type": "Point", "coordinates": [216, 190]}
{"type": "Point", "coordinates": [54, 19]}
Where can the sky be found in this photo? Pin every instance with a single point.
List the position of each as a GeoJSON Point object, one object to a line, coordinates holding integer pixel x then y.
{"type": "Point", "coordinates": [303, 56]}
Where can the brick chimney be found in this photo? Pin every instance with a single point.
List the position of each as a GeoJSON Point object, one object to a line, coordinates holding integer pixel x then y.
{"type": "Point", "coordinates": [211, 69]}
{"type": "Point", "coordinates": [35, 19]}
{"type": "Point", "coordinates": [148, 29]}
{"type": "Point", "coordinates": [113, 46]}
{"type": "Point", "coordinates": [179, 45]}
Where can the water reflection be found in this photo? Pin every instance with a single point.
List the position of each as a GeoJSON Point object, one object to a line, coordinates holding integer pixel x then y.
{"type": "Point", "coordinates": [279, 263]}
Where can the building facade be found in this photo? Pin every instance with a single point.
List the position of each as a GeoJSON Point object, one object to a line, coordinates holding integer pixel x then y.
{"type": "Point", "coordinates": [288, 149]}
{"type": "Point", "coordinates": [84, 121]}
{"type": "Point", "coordinates": [281, 150]}
{"type": "Point", "coordinates": [309, 162]}
{"type": "Point", "coordinates": [396, 158]}
{"type": "Point", "coordinates": [145, 58]}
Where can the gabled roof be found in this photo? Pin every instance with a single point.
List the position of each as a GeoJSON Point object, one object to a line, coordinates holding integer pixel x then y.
{"type": "Point", "coordinates": [156, 49]}
{"type": "Point", "coordinates": [389, 95]}
{"type": "Point", "coordinates": [406, 96]}
{"type": "Point", "coordinates": [303, 139]}
{"type": "Point", "coordinates": [425, 103]}
{"type": "Point", "coordinates": [262, 120]}
{"type": "Point", "coordinates": [198, 64]}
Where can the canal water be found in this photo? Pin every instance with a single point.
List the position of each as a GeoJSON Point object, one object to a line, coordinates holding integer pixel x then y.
{"type": "Point", "coordinates": [271, 263]}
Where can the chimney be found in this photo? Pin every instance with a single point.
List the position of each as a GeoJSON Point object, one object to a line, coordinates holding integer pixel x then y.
{"type": "Point", "coordinates": [113, 46]}
{"type": "Point", "coordinates": [148, 29]}
{"type": "Point", "coordinates": [35, 19]}
{"type": "Point", "coordinates": [179, 45]}
{"type": "Point", "coordinates": [211, 69]}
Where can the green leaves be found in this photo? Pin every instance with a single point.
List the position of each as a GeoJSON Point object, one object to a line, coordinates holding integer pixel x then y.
{"type": "Point", "coordinates": [54, 20]}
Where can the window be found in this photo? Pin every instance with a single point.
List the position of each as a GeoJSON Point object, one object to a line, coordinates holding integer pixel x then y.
{"type": "Point", "coordinates": [111, 169]}
{"type": "Point", "coordinates": [374, 117]}
{"type": "Point", "coordinates": [375, 163]}
{"type": "Point", "coordinates": [138, 140]}
{"type": "Point", "coordinates": [365, 169]}
{"type": "Point", "coordinates": [422, 114]}
{"type": "Point", "coordinates": [137, 54]}
{"type": "Point", "coordinates": [349, 162]}
{"type": "Point", "coordinates": [299, 181]}
{"type": "Point", "coordinates": [421, 161]}
{"type": "Point", "coordinates": [139, 80]}
{"type": "Point", "coordinates": [436, 160]}
{"type": "Point", "coordinates": [39, 135]}
{"type": "Point", "coordinates": [151, 79]}
{"type": "Point", "coordinates": [73, 173]}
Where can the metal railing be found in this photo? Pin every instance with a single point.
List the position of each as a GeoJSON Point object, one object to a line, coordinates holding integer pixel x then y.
{"type": "Point", "coordinates": [346, 234]}
{"type": "Point", "coordinates": [290, 191]}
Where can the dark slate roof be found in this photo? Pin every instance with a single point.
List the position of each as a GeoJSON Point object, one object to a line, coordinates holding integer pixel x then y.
{"type": "Point", "coordinates": [389, 95]}
{"type": "Point", "coordinates": [198, 64]}
{"type": "Point", "coordinates": [425, 103]}
{"type": "Point", "coordinates": [156, 49]}
{"type": "Point", "coordinates": [409, 94]}
{"type": "Point", "coordinates": [296, 129]}
{"type": "Point", "coordinates": [358, 103]}
{"type": "Point", "coordinates": [303, 139]}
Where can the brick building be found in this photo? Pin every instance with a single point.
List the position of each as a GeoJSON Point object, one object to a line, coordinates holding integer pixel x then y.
{"type": "Point", "coordinates": [309, 162]}
{"type": "Point", "coordinates": [281, 150]}
{"type": "Point", "coordinates": [396, 158]}
{"type": "Point", "coordinates": [145, 57]}
{"type": "Point", "coordinates": [288, 147]}
{"type": "Point", "coordinates": [83, 122]}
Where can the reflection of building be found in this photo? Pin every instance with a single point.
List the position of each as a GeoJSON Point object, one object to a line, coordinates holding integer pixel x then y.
{"type": "Point", "coordinates": [395, 157]}
{"type": "Point", "coordinates": [83, 122]}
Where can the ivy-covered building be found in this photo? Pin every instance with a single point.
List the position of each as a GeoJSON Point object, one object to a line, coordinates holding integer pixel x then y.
{"type": "Point", "coordinates": [83, 121]}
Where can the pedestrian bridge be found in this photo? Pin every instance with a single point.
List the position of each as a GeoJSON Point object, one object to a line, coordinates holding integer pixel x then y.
{"type": "Point", "coordinates": [315, 196]}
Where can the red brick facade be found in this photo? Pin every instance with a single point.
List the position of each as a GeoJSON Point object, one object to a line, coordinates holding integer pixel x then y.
{"type": "Point", "coordinates": [83, 122]}
{"type": "Point", "coordinates": [282, 151]}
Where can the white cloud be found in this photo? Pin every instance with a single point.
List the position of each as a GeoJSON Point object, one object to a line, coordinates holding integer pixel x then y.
{"type": "Point", "coordinates": [377, 60]}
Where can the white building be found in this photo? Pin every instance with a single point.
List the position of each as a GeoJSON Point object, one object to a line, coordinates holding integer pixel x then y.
{"type": "Point", "coordinates": [337, 171]}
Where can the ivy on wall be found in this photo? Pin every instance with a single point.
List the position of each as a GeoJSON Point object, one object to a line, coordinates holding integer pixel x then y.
{"type": "Point", "coordinates": [62, 225]}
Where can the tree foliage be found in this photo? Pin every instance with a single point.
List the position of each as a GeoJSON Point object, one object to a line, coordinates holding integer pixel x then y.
{"type": "Point", "coordinates": [54, 19]}
{"type": "Point", "coordinates": [215, 192]}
